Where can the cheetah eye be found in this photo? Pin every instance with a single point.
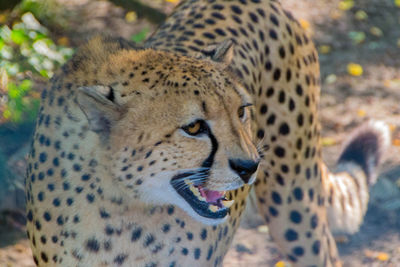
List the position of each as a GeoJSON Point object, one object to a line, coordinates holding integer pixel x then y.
{"type": "Point", "coordinates": [195, 128]}
{"type": "Point", "coordinates": [242, 112]}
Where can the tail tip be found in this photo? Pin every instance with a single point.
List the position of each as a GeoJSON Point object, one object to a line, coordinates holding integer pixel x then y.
{"type": "Point", "coordinates": [366, 146]}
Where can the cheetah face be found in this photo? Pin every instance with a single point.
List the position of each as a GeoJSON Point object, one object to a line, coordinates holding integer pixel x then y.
{"type": "Point", "coordinates": [184, 147]}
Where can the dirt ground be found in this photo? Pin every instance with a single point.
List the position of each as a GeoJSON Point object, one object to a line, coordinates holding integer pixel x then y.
{"type": "Point", "coordinates": [346, 102]}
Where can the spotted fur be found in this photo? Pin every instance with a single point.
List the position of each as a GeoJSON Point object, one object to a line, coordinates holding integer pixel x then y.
{"type": "Point", "coordinates": [109, 138]}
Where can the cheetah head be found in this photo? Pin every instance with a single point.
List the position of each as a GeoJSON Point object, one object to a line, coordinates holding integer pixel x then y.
{"type": "Point", "coordinates": [174, 129]}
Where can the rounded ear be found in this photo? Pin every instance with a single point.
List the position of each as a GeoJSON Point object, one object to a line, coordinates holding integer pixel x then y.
{"type": "Point", "coordinates": [100, 106]}
{"type": "Point", "coordinates": [221, 52]}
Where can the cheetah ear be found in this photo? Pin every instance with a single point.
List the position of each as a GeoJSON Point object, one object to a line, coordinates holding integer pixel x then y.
{"type": "Point", "coordinates": [222, 52]}
{"type": "Point", "coordinates": [100, 105]}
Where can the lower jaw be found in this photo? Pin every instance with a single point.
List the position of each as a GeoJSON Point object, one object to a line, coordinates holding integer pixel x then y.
{"type": "Point", "coordinates": [192, 196]}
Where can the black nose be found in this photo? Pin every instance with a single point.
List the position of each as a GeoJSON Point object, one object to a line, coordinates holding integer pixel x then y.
{"type": "Point", "coordinates": [244, 168]}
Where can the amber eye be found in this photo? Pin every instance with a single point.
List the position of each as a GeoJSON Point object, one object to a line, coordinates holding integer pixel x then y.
{"type": "Point", "coordinates": [195, 128]}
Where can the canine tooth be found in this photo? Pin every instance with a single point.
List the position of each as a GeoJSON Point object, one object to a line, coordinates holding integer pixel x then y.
{"type": "Point", "coordinates": [227, 203]}
{"type": "Point", "coordinates": [213, 208]}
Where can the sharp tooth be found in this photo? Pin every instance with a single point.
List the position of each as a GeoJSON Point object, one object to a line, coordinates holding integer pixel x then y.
{"type": "Point", "coordinates": [196, 192]}
{"type": "Point", "coordinates": [213, 208]}
{"type": "Point", "coordinates": [227, 203]}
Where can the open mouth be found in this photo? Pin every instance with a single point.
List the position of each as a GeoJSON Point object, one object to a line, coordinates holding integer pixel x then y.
{"type": "Point", "coordinates": [207, 203]}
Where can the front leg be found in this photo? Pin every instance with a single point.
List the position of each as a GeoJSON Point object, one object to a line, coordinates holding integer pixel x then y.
{"type": "Point", "coordinates": [293, 206]}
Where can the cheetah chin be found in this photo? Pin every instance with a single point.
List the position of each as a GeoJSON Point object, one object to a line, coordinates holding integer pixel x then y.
{"type": "Point", "coordinates": [208, 204]}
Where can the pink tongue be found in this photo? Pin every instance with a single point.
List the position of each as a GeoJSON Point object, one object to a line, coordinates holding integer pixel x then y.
{"type": "Point", "coordinates": [209, 195]}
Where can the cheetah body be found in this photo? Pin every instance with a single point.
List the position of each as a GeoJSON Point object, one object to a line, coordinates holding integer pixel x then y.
{"type": "Point", "coordinates": [109, 140]}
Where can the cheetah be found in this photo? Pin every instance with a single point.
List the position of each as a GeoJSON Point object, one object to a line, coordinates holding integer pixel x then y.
{"type": "Point", "coordinates": [146, 156]}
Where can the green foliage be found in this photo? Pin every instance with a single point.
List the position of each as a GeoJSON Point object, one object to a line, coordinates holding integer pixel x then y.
{"type": "Point", "coordinates": [140, 36]}
{"type": "Point", "coordinates": [26, 50]}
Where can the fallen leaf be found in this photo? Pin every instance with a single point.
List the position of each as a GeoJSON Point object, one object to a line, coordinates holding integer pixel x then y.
{"type": "Point", "coordinates": [397, 3]}
{"type": "Point", "coordinates": [361, 113]}
{"type": "Point", "coordinates": [131, 16]}
{"type": "Point", "coordinates": [324, 49]}
{"type": "Point", "coordinates": [396, 142]}
{"type": "Point", "coordinates": [64, 41]}
{"type": "Point", "coordinates": [376, 31]}
{"type": "Point", "coordinates": [280, 264]}
{"type": "Point", "coordinates": [346, 4]}
{"type": "Point", "coordinates": [382, 256]}
{"type": "Point", "coordinates": [328, 141]}
{"type": "Point", "coordinates": [304, 24]}
{"type": "Point", "coordinates": [361, 15]}
{"type": "Point", "coordinates": [354, 69]}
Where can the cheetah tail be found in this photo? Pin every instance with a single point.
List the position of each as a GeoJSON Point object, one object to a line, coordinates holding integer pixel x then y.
{"type": "Point", "coordinates": [347, 187]}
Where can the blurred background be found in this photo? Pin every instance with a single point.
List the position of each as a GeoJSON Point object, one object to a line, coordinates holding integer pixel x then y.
{"type": "Point", "coordinates": [359, 48]}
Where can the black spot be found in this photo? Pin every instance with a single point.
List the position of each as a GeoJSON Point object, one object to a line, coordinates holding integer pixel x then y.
{"type": "Point", "coordinates": [203, 234]}
{"type": "Point", "coordinates": [136, 234]}
{"type": "Point", "coordinates": [276, 198]}
{"type": "Point", "coordinates": [274, 212]}
{"type": "Point", "coordinates": [284, 129]}
{"type": "Point", "coordinates": [277, 74]}
{"type": "Point", "coordinates": [166, 228]}
{"type": "Point", "coordinates": [185, 251]}
{"type": "Point", "coordinates": [119, 259]}
{"type": "Point", "coordinates": [148, 240]}
{"type": "Point", "coordinates": [56, 202]}
{"type": "Point", "coordinates": [85, 177]}
{"type": "Point", "coordinates": [291, 235]}
{"type": "Point", "coordinates": [314, 221]}
{"type": "Point", "coordinates": [47, 216]}
{"type": "Point", "coordinates": [92, 245]}
{"type": "Point", "coordinates": [189, 236]}
{"type": "Point", "coordinates": [43, 157]}
{"type": "Point", "coordinates": [298, 193]}
{"type": "Point", "coordinates": [170, 210]}
{"type": "Point", "coordinates": [44, 257]}
{"type": "Point", "coordinates": [295, 216]}
{"type": "Point", "coordinates": [197, 253]}
{"type": "Point", "coordinates": [279, 152]}
{"type": "Point", "coordinates": [316, 247]}
{"type": "Point", "coordinates": [298, 251]}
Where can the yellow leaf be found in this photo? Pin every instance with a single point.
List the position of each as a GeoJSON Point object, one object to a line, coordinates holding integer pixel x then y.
{"type": "Point", "coordinates": [354, 69]}
{"type": "Point", "coordinates": [376, 31]}
{"type": "Point", "coordinates": [396, 142]}
{"type": "Point", "coordinates": [280, 264]}
{"type": "Point", "coordinates": [397, 3]}
{"type": "Point", "coordinates": [324, 49]}
{"type": "Point", "coordinates": [346, 4]}
{"type": "Point", "coordinates": [328, 141]}
{"type": "Point", "coordinates": [361, 15]}
{"type": "Point", "coordinates": [304, 24]}
{"type": "Point", "coordinates": [173, 1]}
{"type": "Point", "coordinates": [131, 16]}
{"type": "Point", "coordinates": [361, 113]}
{"type": "Point", "coordinates": [382, 256]}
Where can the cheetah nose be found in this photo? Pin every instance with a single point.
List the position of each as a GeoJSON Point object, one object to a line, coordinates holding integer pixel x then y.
{"type": "Point", "coordinates": [244, 168]}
